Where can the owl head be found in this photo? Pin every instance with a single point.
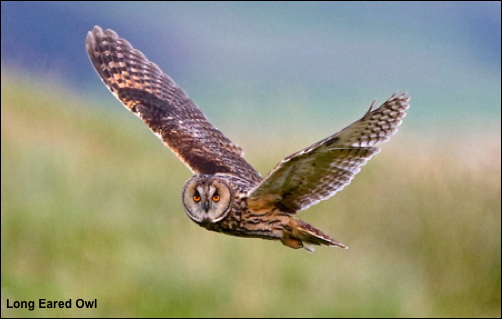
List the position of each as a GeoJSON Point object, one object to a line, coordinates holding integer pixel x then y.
{"type": "Point", "coordinates": [207, 199]}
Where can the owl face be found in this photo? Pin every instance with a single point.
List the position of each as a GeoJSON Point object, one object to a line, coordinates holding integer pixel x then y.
{"type": "Point", "coordinates": [207, 199]}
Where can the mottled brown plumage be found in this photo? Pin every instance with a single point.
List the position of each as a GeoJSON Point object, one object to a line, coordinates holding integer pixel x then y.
{"type": "Point", "coordinates": [150, 94]}
{"type": "Point", "coordinates": [226, 194]}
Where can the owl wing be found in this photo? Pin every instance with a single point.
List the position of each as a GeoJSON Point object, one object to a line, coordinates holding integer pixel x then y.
{"type": "Point", "coordinates": [171, 115]}
{"type": "Point", "coordinates": [321, 170]}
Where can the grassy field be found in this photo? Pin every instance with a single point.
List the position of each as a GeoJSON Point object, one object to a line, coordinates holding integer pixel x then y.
{"type": "Point", "coordinates": [91, 209]}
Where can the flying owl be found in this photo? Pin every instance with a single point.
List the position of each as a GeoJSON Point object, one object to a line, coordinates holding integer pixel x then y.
{"type": "Point", "coordinates": [227, 194]}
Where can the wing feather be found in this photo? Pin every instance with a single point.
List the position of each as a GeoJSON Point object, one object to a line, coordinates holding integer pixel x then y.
{"type": "Point", "coordinates": [171, 115]}
{"type": "Point", "coordinates": [326, 167]}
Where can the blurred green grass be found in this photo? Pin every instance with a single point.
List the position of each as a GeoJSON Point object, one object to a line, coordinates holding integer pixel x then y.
{"type": "Point", "coordinates": [91, 209]}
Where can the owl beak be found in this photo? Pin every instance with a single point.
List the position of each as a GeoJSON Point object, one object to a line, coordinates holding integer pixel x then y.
{"type": "Point", "coordinates": [205, 205]}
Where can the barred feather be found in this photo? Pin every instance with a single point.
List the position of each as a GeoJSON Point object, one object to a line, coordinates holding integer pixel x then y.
{"type": "Point", "coordinates": [326, 167]}
{"type": "Point", "coordinates": [154, 97]}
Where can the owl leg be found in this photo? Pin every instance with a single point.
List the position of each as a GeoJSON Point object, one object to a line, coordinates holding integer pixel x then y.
{"type": "Point", "coordinates": [291, 242]}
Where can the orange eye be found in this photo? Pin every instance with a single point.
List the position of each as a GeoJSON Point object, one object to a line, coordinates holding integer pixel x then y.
{"type": "Point", "coordinates": [216, 198]}
{"type": "Point", "coordinates": [196, 198]}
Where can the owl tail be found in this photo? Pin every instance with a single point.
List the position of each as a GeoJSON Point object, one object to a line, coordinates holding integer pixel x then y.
{"type": "Point", "coordinates": [304, 235]}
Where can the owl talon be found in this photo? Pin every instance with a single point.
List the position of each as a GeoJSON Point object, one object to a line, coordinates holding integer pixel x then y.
{"type": "Point", "coordinates": [292, 242]}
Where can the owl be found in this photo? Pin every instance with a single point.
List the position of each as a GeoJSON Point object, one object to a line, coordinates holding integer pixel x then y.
{"type": "Point", "coordinates": [227, 194]}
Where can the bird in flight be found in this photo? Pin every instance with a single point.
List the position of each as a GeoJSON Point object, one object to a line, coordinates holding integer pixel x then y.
{"type": "Point", "coordinates": [226, 194]}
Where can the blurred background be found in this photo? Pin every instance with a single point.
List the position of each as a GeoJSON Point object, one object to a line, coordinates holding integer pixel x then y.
{"type": "Point", "coordinates": [91, 203]}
